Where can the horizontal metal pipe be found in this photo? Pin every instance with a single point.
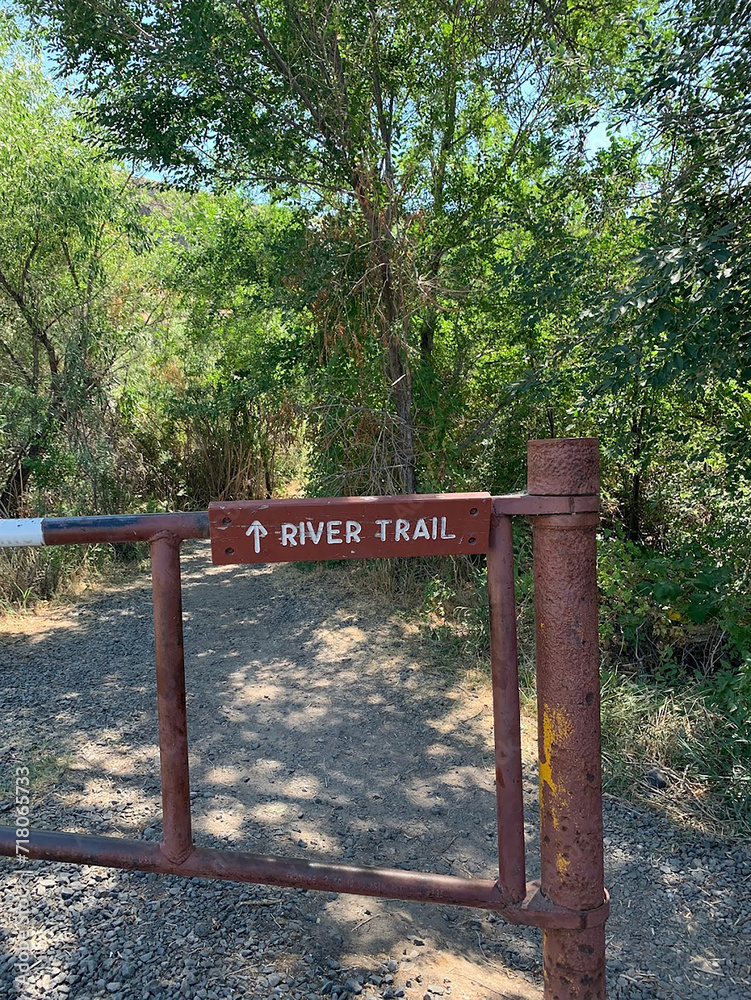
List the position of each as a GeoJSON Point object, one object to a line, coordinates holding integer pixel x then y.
{"type": "Point", "coordinates": [387, 883]}
{"type": "Point", "coordinates": [17, 533]}
{"type": "Point", "coordinates": [529, 505]}
{"type": "Point", "coordinates": [535, 910]}
{"type": "Point", "coordinates": [123, 527]}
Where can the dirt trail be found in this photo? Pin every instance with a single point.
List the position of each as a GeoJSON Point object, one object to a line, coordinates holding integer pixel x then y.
{"type": "Point", "coordinates": [317, 729]}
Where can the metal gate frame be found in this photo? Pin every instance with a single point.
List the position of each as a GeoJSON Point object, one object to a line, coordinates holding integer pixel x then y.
{"type": "Point", "coordinates": [569, 901]}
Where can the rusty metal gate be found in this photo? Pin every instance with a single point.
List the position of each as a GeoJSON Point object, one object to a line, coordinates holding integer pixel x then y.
{"type": "Point", "coordinates": [569, 901]}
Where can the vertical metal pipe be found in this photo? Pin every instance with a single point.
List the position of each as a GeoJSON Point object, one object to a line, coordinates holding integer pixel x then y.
{"type": "Point", "coordinates": [568, 697]}
{"type": "Point", "coordinates": [170, 686]}
{"type": "Point", "coordinates": [506, 721]}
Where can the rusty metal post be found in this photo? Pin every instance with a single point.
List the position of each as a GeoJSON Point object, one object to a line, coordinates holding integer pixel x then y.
{"type": "Point", "coordinates": [568, 696]}
{"type": "Point", "coordinates": [506, 719]}
{"type": "Point", "coordinates": [170, 683]}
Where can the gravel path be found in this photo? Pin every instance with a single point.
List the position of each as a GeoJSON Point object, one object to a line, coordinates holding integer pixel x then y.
{"type": "Point", "coordinates": [316, 730]}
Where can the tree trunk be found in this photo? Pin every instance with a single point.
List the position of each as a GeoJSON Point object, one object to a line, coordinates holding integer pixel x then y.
{"type": "Point", "coordinates": [633, 509]}
{"type": "Point", "coordinates": [401, 391]}
{"type": "Point", "coordinates": [391, 315]}
{"type": "Point", "coordinates": [397, 373]}
{"type": "Point", "coordinates": [427, 335]}
{"type": "Point", "coordinates": [12, 492]}
{"type": "Point", "coordinates": [634, 500]}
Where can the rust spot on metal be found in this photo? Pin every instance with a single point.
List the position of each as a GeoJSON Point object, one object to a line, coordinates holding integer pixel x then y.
{"type": "Point", "coordinates": [568, 709]}
{"type": "Point", "coordinates": [563, 467]}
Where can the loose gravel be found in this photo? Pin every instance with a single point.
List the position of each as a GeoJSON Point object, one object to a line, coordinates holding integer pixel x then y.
{"type": "Point", "coordinates": [317, 730]}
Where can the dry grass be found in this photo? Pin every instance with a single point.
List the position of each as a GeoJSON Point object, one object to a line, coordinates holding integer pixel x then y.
{"type": "Point", "coordinates": [63, 574]}
{"type": "Point", "coordinates": [701, 752]}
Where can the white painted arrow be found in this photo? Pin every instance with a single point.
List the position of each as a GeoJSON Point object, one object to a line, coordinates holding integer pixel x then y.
{"type": "Point", "coordinates": [258, 531]}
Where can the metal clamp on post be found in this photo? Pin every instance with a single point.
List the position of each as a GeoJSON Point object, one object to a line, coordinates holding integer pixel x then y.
{"type": "Point", "coordinates": [538, 910]}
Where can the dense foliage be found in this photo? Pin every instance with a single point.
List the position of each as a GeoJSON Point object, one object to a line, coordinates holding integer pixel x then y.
{"type": "Point", "coordinates": [386, 246]}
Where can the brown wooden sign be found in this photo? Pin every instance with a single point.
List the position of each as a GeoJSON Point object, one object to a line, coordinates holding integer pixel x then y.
{"type": "Point", "coordinates": [256, 531]}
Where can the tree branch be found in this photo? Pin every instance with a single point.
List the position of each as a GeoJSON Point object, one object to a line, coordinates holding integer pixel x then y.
{"type": "Point", "coordinates": [14, 360]}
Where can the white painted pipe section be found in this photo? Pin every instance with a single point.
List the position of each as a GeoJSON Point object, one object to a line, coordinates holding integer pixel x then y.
{"type": "Point", "coordinates": [17, 532]}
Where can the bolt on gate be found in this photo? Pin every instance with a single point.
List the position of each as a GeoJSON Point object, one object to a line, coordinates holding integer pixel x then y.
{"type": "Point", "coordinates": [569, 901]}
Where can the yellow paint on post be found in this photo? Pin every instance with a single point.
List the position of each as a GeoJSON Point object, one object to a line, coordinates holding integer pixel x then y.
{"type": "Point", "coordinates": [556, 728]}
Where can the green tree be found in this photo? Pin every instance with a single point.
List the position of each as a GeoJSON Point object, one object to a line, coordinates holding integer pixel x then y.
{"type": "Point", "coordinates": [404, 119]}
{"type": "Point", "coordinates": [672, 339]}
{"type": "Point", "coordinates": [687, 94]}
{"type": "Point", "coordinates": [217, 411]}
{"type": "Point", "coordinates": [68, 226]}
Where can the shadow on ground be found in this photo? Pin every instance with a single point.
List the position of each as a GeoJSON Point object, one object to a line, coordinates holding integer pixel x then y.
{"type": "Point", "coordinates": [318, 731]}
